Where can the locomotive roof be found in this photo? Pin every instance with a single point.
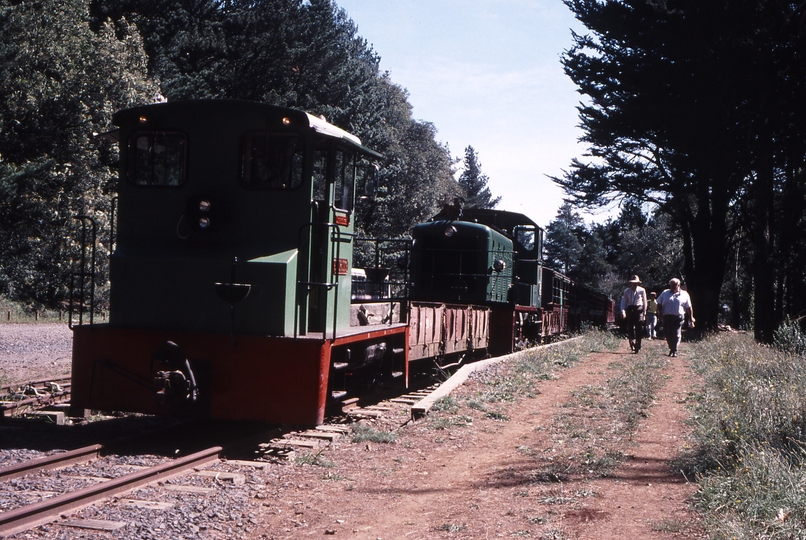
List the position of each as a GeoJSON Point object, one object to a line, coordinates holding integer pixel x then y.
{"type": "Point", "coordinates": [318, 124]}
{"type": "Point", "coordinates": [500, 219]}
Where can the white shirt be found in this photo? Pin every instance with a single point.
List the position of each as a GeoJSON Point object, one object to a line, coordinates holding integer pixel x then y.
{"type": "Point", "coordinates": [674, 303]}
{"type": "Point", "coordinates": [635, 297]}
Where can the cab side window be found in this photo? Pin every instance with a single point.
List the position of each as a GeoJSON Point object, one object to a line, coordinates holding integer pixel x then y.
{"type": "Point", "coordinates": [157, 158]}
{"type": "Point", "coordinates": [320, 175]}
{"type": "Point", "coordinates": [344, 181]}
{"type": "Point", "coordinates": [271, 161]}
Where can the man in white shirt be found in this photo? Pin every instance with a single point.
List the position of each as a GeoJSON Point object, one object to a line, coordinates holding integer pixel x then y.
{"type": "Point", "coordinates": [675, 306]}
{"type": "Point", "coordinates": [633, 310]}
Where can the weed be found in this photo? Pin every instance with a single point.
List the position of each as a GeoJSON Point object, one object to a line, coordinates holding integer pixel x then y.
{"type": "Point", "coordinates": [451, 528]}
{"type": "Point", "coordinates": [314, 459]}
{"type": "Point", "coordinates": [749, 425]}
{"type": "Point", "coordinates": [365, 433]}
{"type": "Point", "coordinates": [495, 415]}
{"type": "Point", "coordinates": [668, 526]}
{"type": "Point", "coordinates": [446, 404]}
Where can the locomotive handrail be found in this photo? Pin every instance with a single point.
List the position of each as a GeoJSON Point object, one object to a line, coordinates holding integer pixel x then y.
{"type": "Point", "coordinates": [397, 247]}
{"type": "Point", "coordinates": [82, 274]}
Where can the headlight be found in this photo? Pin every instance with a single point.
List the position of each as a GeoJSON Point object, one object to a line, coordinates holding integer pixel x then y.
{"type": "Point", "coordinates": [499, 265]}
{"type": "Point", "coordinates": [450, 231]}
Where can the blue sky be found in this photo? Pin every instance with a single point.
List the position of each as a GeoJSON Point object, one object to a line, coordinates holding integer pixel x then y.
{"type": "Point", "coordinates": [486, 73]}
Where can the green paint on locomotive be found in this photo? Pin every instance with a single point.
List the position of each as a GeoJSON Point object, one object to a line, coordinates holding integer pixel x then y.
{"type": "Point", "coordinates": [460, 258]}
{"type": "Point", "coordinates": [459, 261]}
{"type": "Point", "coordinates": [216, 194]}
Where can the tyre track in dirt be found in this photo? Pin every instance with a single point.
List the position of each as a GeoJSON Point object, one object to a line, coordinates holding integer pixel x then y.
{"type": "Point", "coordinates": [644, 497]}
{"type": "Point", "coordinates": [480, 485]}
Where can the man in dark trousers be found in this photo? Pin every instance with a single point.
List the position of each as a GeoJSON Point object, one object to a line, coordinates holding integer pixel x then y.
{"type": "Point", "coordinates": [675, 306]}
{"type": "Point", "coordinates": [633, 310]}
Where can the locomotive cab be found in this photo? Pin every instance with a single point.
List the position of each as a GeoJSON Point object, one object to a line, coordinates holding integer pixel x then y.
{"type": "Point", "coordinates": [230, 271]}
{"type": "Point", "coordinates": [214, 196]}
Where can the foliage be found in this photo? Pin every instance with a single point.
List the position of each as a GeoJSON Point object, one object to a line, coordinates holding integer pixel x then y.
{"type": "Point", "coordinates": [85, 59]}
{"type": "Point", "coordinates": [789, 337]}
{"type": "Point", "coordinates": [60, 83]}
{"type": "Point", "coordinates": [680, 114]}
{"type": "Point", "coordinates": [306, 55]}
{"type": "Point", "coordinates": [365, 433]}
{"type": "Point", "coordinates": [604, 256]}
{"type": "Point", "coordinates": [564, 236]}
{"type": "Point", "coordinates": [750, 424]}
{"type": "Point", "coordinates": [474, 182]}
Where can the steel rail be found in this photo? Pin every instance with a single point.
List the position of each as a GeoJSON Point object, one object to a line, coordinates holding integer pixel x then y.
{"type": "Point", "coordinates": [58, 380]}
{"type": "Point", "coordinates": [62, 459]}
{"type": "Point", "coordinates": [6, 407]}
{"type": "Point", "coordinates": [49, 510]}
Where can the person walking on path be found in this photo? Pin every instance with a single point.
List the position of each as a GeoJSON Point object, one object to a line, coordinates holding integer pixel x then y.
{"type": "Point", "coordinates": [675, 307]}
{"type": "Point", "coordinates": [651, 316]}
{"type": "Point", "coordinates": [633, 306]}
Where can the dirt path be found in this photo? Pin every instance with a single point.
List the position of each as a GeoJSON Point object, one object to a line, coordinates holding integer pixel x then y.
{"type": "Point", "coordinates": [644, 496]}
{"type": "Point", "coordinates": [481, 477]}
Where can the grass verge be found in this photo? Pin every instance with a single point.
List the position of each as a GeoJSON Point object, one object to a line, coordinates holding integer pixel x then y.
{"type": "Point", "coordinates": [749, 424]}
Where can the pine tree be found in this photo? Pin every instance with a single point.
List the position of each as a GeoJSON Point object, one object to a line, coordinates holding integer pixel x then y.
{"type": "Point", "coordinates": [474, 182]}
{"type": "Point", "coordinates": [563, 246]}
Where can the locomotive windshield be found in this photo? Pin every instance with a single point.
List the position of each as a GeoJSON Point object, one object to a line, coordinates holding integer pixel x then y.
{"type": "Point", "coordinates": [271, 161]}
{"type": "Point", "coordinates": [525, 236]}
{"type": "Point", "coordinates": [157, 158]}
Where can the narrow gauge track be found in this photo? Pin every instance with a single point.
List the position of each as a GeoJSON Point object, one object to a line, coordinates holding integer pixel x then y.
{"type": "Point", "coordinates": [393, 410]}
{"type": "Point", "coordinates": [48, 510]}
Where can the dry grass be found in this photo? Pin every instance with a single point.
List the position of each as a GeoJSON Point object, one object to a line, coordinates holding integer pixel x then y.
{"type": "Point", "coordinates": [749, 424]}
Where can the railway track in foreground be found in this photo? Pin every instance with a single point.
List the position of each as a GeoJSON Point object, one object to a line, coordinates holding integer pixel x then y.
{"type": "Point", "coordinates": [277, 444]}
{"type": "Point", "coordinates": [82, 465]}
{"type": "Point", "coordinates": [51, 508]}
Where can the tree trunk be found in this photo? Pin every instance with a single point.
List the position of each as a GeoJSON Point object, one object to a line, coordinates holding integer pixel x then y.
{"type": "Point", "coordinates": [764, 322]}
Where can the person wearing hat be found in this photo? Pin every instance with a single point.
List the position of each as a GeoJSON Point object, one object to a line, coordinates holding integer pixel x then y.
{"type": "Point", "coordinates": [633, 309]}
{"type": "Point", "coordinates": [651, 316]}
{"type": "Point", "coordinates": [675, 306]}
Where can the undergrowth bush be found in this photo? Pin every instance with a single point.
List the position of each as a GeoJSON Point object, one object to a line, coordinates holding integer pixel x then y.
{"type": "Point", "coordinates": [789, 337]}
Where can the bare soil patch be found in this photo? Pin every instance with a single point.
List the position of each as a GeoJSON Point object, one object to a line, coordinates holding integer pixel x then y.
{"type": "Point", "coordinates": [471, 474]}
{"type": "Point", "coordinates": [32, 351]}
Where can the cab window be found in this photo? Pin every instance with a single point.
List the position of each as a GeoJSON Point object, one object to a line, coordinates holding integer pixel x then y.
{"type": "Point", "coordinates": [320, 175]}
{"type": "Point", "coordinates": [526, 238]}
{"type": "Point", "coordinates": [344, 181]}
{"type": "Point", "coordinates": [157, 158]}
{"type": "Point", "coordinates": [271, 161]}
